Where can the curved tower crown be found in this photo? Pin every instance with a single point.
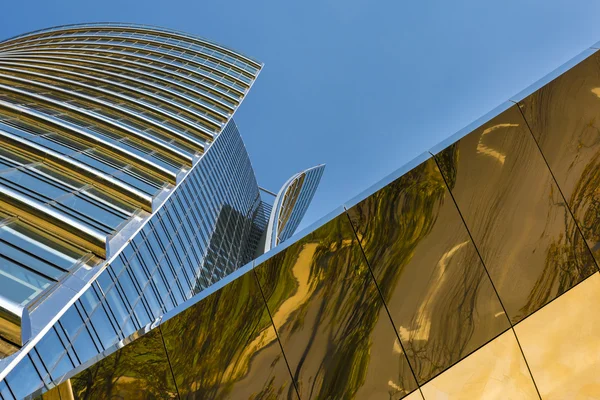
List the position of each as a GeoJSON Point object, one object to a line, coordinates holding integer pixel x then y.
{"type": "Point", "coordinates": [99, 123]}
{"type": "Point", "coordinates": [291, 204]}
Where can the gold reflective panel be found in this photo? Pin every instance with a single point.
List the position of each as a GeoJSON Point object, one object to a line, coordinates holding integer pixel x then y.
{"type": "Point", "coordinates": [561, 343]}
{"type": "Point", "coordinates": [64, 391]}
{"type": "Point", "coordinates": [436, 289]}
{"type": "Point", "coordinates": [140, 370]}
{"type": "Point", "coordinates": [416, 395]}
{"type": "Point", "coordinates": [564, 117]}
{"type": "Point", "coordinates": [495, 371]}
{"type": "Point", "coordinates": [226, 347]}
{"type": "Point", "coordinates": [332, 324]}
{"type": "Point", "coordinates": [520, 224]}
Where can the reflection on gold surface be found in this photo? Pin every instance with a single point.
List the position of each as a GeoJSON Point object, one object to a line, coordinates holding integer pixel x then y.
{"type": "Point", "coordinates": [564, 117]}
{"type": "Point", "coordinates": [139, 370]}
{"type": "Point", "coordinates": [495, 371]}
{"type": "Point", "coordinates": [226, 347]}
{"type": "Point", "coordinates": [64, 391]}
{"type": "Point", "coordinates": [333, 327]}
{"type": "Point", "coordinates": [436, 288]}
{"type": "Point", "coordinates": [518, 218]}
{"type": "Point", "coordinates": [484, 149]}
{"type": "Point", "coordinates": [561, 343]}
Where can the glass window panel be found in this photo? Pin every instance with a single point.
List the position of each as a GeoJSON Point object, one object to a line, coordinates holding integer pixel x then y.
{"type": "Point", "coordinates": [103, 327]}
{"type": "Point", "coordinates": [63, 366]}
{"type": "Point", "coordinates": [84, 346]}
{"type": "Point", "coordinates": [24, 371]}
{"type": "Point", "coordinates": [138, 271]}
{"type": "Point", "coordinates": [122, 206]}
{"type": "Point", "coordinates": [120, 311]}
{"type": "Point", "coordinates": [19, 284]}
{"type": "Point", "coordinates": [117, 266]}
{"type": "Point", "coordinates": [38, 364]}
{"type": "Point", "coordinates": [89, 300]}
{"type": "Point", "coordinates": [53, 175]}
{"type": "Point", "coordinates": [141, 314]}
{"type": "Point", "coordinates": [33, 185]}
{"type": "Point", "coordinates": [5, 392]}
{"type": "Point", "coordinates": [35, 263]}
{"type": "Point", "coordinates": [86, 207]}
{"type": "Point", "coordinates": [50, 349]}
{"type": "Point", "coordinates": [155, 307]}
{"type": "Point", "coordinates": [129, 289]}
{"type": "Point", "coordinates": [40, 244]}
{"type": "Point", "coordinates": [71, 322]}
{"type": "Point", "coordinates": [104, 281]}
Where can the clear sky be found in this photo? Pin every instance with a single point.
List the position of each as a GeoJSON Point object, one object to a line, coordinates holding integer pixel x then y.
{"type": "Point", "coordinates": [363, 86]}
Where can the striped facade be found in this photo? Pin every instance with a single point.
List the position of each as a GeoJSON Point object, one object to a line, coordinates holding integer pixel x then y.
{"type": "Point", "coordinates": [125, 188]}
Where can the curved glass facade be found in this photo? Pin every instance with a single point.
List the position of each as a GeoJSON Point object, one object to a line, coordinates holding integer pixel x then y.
{"type": "Point", "coordinates": [125, 189]}
{"type": "Point", "coordinates": [291, 204]}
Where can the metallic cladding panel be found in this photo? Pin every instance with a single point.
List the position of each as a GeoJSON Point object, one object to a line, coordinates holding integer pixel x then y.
{"type": "Point", "coordinates": [496, 371]}
{"type": "Point", "coordinates": [230, 348]}
{"type": "Point", "coordinates": [564, 119]}
{"type": "Point", "coordinates": [137, 371]}
{"type": "Point", "coordinates": [562, 345]}
{"type": "Point", "coordinates": [438, 293]}
{"type": "Point", "coordinates": [332, 324]}
{"type": "Point", "coordinates": [516, 214]}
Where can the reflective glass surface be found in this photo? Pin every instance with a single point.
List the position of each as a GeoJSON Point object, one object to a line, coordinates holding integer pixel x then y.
{"type": "Point", "coordinates": [514, 210]}
{"type": "Point", "coordinates": [436, 289]}
{"type": "Point", "coordinates": [329, 316]}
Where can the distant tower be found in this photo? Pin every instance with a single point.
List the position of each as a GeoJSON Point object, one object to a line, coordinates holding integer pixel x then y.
{"type": "Point", "coordinates": [291, 204]}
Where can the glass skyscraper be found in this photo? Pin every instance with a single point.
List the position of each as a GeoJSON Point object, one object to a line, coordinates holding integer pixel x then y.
{"type": "Point", "coordinates": [125, 189]}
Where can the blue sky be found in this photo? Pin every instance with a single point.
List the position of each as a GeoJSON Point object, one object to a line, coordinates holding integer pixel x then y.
{"type": "Point", "coordinates": [363, 86]}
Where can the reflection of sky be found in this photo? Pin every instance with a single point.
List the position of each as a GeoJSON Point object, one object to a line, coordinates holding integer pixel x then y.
{"type": "Point", "coordinates": [359, 87]}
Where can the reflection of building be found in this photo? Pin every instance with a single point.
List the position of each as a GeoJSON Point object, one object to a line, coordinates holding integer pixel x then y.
{"type": "Point", "coordinates": [125, 189]}
{"type": "Point", "coordinates": [470, 273]}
